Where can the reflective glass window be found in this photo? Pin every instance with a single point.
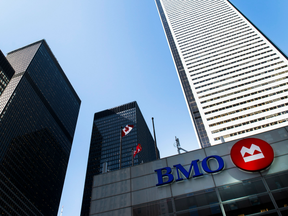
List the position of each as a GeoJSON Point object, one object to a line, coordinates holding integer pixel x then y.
{"type": "Point", "coordinates": [250, 205]}
{"type": "Point", "coordinates": [271, 214]}
{"type": "Point", "coordinates": [277, 181]}
{"type": "Point", "coordinates": [212, 210]}
{"type": "Point", "coordinates": [246, 188]}
{"type": "Point", "coordinates": [284, 212]}
{"type": "Point", "coordinates": [281, 197]}
{"type": "Point", "coordinates": [194, 200]}
{"type": "Point", "coordinates": [162, 207]}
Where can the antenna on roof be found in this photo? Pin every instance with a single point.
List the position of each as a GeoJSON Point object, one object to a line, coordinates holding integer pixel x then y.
{"type": "Point", "coordinates": [177, 145]}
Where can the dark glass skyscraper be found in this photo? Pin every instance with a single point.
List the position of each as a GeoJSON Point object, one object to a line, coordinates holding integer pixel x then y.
{"type": "Point", "coordinates": [105, 143]}
{"type": "Point", "coordinates": [6, 72]}
{"type": "Point", "coordinates": [38, 114]}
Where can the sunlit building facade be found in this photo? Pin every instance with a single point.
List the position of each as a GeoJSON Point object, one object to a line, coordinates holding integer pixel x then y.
{"type": "Point", "coordinates": [233, 77]}
{"type": "Point", "coordinates": [38, 114]}
{"type": "Point", "coordinates": [105, 144]}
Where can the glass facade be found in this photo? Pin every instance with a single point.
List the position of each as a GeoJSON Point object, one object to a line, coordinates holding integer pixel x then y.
{"type": "Point", "coordinates": [258, 196]}
{"type": "Point", "coordinates": [105, 144]}
{"type": "Point", "coordinates": [39, 111]}
{"type": "Point", "coordinates": [231, 192]}
{"type": "Point", "coordinates": [6, 72]}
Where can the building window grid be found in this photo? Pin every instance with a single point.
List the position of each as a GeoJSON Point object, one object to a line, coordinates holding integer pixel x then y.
{"type": "Point", "coordinates": [175, 21]}
{"type": "Point", "coordinates": [250, 100]}
{"type": "Point", "coordinates": [191, 63]}
{"type": "Point", "coordinates": [171, 205]}
{"type": "Point", "coordinates": [246, 89]}
{"type": "Point", "coordinates": [217, 49]}
{"type": "Point", "coordinates": [187, 21]}
{"type": "Point", "coordinates": [25, 146]}
{"type": "Point", "coordinates": [226, 26]}
{"type": "Point", "coordinates": [206, 25]}
{"type": "Point", "coordinates": [254, 113]}
{"type": "Point", "coordinates": [242, 84]}
{"type": "Point", "coordinates": [251, 49]}
{"type": "Point", "coordinates": [221, 38]}
{"type": "Point", "coordinates": [251, 66]}
{"type": "Point", "coordinates": [199, 38]}
{"type": "Point", "coordinates": [187, 7]}
{"type": "Point", "coordinates": [178, 31]}
{"type": "Point", "coordinates": [224, 34]}
{"type": "Point", "coordinates": [281, 121]}
{"type": "Point", "coordinates": [193, 22]}
{"type": "Point", "coordinates": [236, 75]}
{"type": "Point", "coordinates": [226, 30]}
{"type": "Point", "coordinates": [232, 24]}
{"type": "Point", "coordinates": [253, 106]}
{"type": "Point", "coordinates": [205, 19]}
{"type": "Point", "coordinates": [228, 49]}
{"type": "Point", "coordinates": [228, 59]}
{"type": "Point", "coordinates": [232, 67]}
{"type": "Point", "coordinates": [187, 90]}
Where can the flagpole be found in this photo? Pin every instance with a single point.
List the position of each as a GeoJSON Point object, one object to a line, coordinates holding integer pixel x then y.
{"type": "Point", "coordinates": [132, 157]}
{"type": "Point", "coordinates": [120, 155]}
{"type": "Point", "coordinates": [156, 152]}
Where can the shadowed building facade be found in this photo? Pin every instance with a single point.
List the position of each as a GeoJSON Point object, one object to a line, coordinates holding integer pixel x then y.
{"type": "Point", "coordinates": [6, 72]}
{"type": "Point", "coordinates": [38, 114]}
{"type": "Point", "coordinates": [105, 143]}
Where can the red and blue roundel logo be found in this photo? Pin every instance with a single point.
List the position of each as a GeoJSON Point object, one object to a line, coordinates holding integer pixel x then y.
{"type": "Point", "coordinates": [252, 154]}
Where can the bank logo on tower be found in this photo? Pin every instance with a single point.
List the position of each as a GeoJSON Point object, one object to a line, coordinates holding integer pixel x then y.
{"type": "Point", "coordinates": [252, 154]}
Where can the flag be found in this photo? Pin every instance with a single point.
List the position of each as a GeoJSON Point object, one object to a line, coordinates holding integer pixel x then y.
{"type": "Point", "coordinates": [138, 149]}
{"type": "Point", "coordinates": [126, 130]}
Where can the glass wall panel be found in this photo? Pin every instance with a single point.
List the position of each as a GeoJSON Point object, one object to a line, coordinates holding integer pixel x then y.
{"type": "Point", "coordinates": [277, 181]}
{"type": "Point", "coordinates": [212, 210]}
{"type": "Point", "coordinates": [162, 207]}
{"type": "Point", "coordinates": [250, 205]}
{"type": "Point", "coordinates": [281, 198]}
{"type": "Point", "coordinates": [284, 212]}
{"type": "Point", "coordinates": [271, 214]}
{"type": "Point", "coordinates": [194, 200]}
{"type": "Point", "coordinates": [246, 188]}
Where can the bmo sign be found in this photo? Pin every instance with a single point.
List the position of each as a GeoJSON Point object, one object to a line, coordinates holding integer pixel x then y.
{"type": "Point", "coordinates": [252, 154]}
{"type": "Point", "coordinates": [248, 154]}
{"type": "Point", "coordinates": [166, 172]}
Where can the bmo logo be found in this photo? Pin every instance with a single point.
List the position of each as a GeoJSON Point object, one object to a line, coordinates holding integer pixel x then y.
{"type": "Point", "coordinates": [252, 154]}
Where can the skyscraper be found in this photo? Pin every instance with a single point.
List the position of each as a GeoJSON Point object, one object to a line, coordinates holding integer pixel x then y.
{"type": "Point", "coordinates": [105, 144]}
{"type": "Point", "coordinates": [233, 77]}
{"type": "Point", "coordinates": [38, 114]}
{"type": "Point", "coordinates": [6, 72]}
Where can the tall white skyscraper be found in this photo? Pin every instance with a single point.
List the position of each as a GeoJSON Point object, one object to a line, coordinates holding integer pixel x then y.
{"type": "Point", "coordinates": [234, 79]}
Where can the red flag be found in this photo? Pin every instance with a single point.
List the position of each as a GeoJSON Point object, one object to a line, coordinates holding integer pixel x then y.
{"type": "Point", "coordinates": [126, 130]}
{"type": "Point", "coordinates": [138, 149]}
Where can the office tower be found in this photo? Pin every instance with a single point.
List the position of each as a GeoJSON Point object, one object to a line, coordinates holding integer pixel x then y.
{"type": "Point", "coordinates": [6, 72]}
{"type": "Point", "coordinates": [232, 192]}
{"type": "Point", "coordinates": [233, 77]}
{"type": "Point", "coordinates": [38, 115]}
{"type": "Point", "coordinates": [105, 144]}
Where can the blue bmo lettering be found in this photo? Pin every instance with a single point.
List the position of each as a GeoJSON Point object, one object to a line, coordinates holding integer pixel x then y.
{"type": "Point", "coordinates": [166, 177]}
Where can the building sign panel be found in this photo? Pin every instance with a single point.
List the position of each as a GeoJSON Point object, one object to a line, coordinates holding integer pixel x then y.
{"type": "Point", "coordinates": [252, 154]}
{"type": "Point", "coordinates": [166, 177]}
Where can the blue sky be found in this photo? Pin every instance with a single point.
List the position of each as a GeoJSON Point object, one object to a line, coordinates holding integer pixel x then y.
{"type": "Point", "coordinates": [114, 52]}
